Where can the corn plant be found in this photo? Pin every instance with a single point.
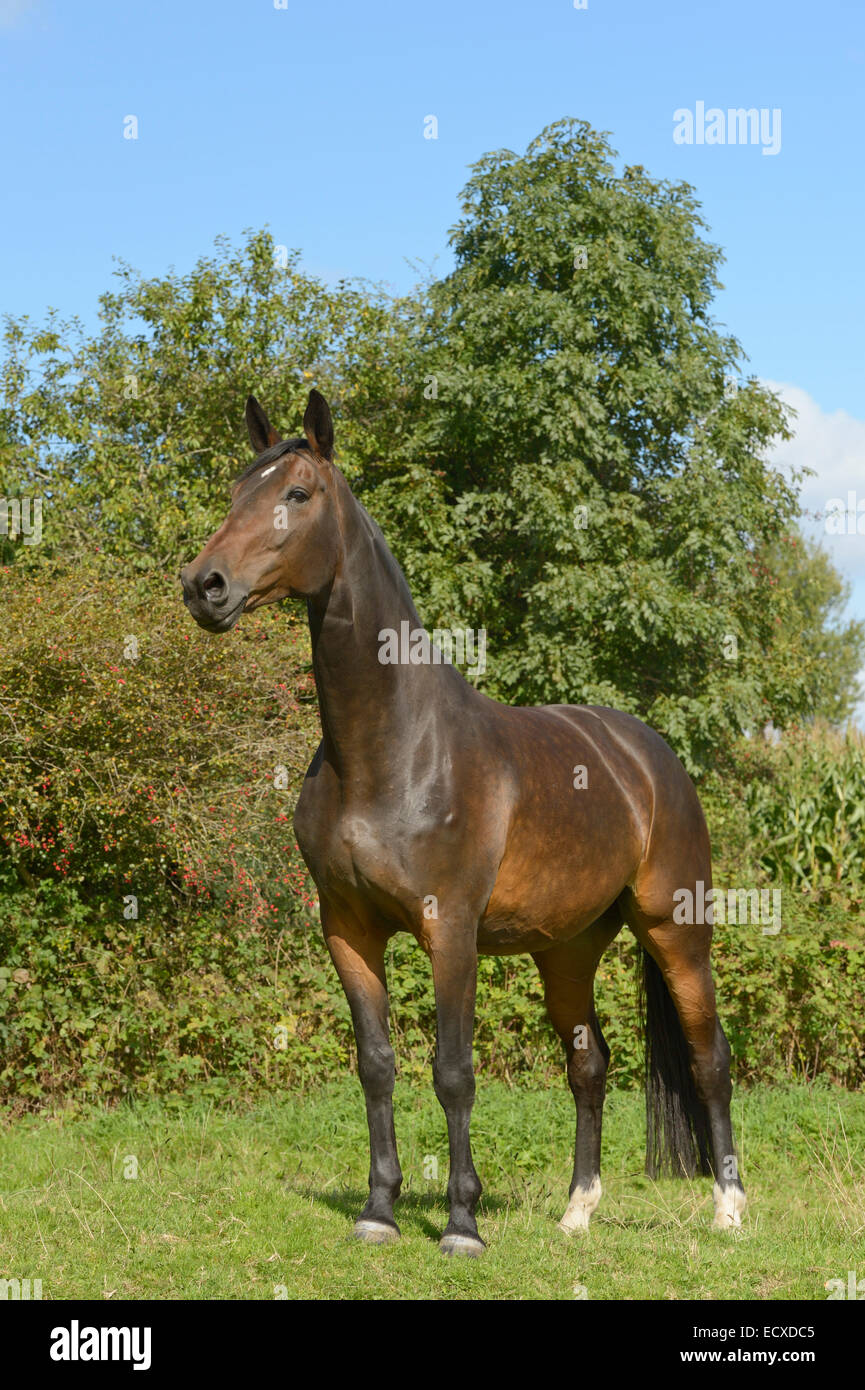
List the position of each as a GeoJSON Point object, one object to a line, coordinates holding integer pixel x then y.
{"type": "Point", "coordinates": [808, 817]}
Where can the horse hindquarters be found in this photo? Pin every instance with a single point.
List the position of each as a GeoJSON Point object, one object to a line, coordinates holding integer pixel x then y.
{"type": "Point", "coordinates": [688, 1058]}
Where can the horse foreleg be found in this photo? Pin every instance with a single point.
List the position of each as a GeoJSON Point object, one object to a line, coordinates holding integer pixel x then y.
{"type": "Point", "coordinates": [358, 955]}
{"type": "Point", "coordinates": [454, 964]}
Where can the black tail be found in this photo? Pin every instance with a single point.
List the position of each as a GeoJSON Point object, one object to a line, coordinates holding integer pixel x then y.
{"type": "Point", "coordinates": [677, 1131]}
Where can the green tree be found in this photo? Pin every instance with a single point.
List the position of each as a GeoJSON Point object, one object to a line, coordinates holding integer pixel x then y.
{"type": "Point", "coordinates": [819, 653]}
{"type": "Point", "coordinates": [132, 435]}
{"type": "Point", "coordinates": [557, 438]}
{"type": "Point", "coordinates": [585, 474]}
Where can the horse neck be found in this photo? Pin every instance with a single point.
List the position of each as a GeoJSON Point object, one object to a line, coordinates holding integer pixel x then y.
{"type": "Point", "coordinates": [371, 712]}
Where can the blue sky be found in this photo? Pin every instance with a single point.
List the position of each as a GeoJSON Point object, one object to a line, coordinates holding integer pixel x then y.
{"type": "Point", "coordinates": [310, 118]}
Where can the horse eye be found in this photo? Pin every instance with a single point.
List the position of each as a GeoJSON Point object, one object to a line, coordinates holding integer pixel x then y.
{"type": "Point", "coordinates": [296, 495]}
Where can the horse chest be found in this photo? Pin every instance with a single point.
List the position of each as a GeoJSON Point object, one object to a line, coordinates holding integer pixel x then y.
{"type": "Point", "coordinates": [352, 848]}
{"type": "Point", "coordinates": [365, 852]}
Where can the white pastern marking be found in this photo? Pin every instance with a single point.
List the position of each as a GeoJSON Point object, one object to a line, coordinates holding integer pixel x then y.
{"type": "Point", "coordinates": [730, 1202]}
{"type": "Point", "coordinates": [580, 1208]}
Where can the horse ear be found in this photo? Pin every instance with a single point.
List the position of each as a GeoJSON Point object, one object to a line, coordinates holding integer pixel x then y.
{"type": "Point", "coordinates": [318, 425]}
{"type": "Point", "coordinates": [261, 431]}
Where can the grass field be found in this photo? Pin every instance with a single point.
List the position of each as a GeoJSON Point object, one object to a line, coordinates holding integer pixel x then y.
{"type": "Point", "coordinates": [259, 1204]}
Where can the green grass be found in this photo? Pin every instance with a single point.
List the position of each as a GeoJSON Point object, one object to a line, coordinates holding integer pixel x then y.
{"type": "Point", "coordinates": [230, 1204]}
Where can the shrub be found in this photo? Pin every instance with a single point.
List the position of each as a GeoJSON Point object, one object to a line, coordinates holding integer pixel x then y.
{"type": "Point", "coordinates": [158, 930]}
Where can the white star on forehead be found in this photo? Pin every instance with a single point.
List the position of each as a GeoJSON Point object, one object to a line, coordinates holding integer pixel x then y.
{"type": "Point", "coordinates": [268, 470]}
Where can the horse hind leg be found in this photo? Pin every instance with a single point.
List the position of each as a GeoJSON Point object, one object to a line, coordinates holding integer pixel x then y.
{"type": "Point", "coordinates": [688, 1057]}
{"type": "Point", "coordinates": [568, 972]}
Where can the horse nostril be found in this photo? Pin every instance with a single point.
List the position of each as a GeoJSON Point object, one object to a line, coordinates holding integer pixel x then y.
{"type": "Point", "coordinates": [215, 586]}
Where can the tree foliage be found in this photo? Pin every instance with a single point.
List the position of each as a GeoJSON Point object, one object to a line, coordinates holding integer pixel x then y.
{"type": "Point", "coordinates": [557, 438]}
{"type": "Point", "coordinates": [587, 475]}
{"type": "Point", "coordinates": [134, 434]}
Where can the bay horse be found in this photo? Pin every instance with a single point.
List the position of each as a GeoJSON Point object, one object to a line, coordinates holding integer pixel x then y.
{"type": "Point", "coordinates": [432, 809]}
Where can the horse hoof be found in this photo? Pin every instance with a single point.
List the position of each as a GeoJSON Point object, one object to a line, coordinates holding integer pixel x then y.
{"type": "Point", "coordinates": [582, 1203]}
{"type": "Point", "coordinates": [375, 1232]}
{"type": "Point", "coordinates": [462, 1245]}
{"type": "Point", "coordinates": [573, 1225]}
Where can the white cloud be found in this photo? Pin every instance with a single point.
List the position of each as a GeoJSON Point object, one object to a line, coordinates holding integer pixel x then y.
{"type": "Point", "coordinates": [13, 10]}
{"type": "Point", "coordinates": [834, 446]}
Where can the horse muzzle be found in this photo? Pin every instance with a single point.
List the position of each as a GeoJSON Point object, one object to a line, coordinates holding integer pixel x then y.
{"type": "Point", "coordinates": [212, 597]}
